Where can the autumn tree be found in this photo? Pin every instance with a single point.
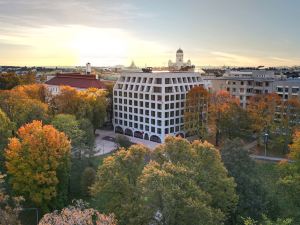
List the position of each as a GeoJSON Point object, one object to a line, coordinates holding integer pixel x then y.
{"type": "Point", "coordinates": [262, 110]}
{"type": "Point", "coordinates": [77, 214]}
{"type": "Point", "coordinates": [11, 80]}
{"type": "Point", "coordinates": [21, 109]}
{"type": "Point", "coordinates": [98, 103]}
{"type": "Point", "coordinates": [90, 104]}
{"type": "Point", "coordinates": [34, 91]}
{"type": "Point", "coordinates": [38, 162]}
{"type": "Point", "coordinates": [116, 187]}
{"type": "Point", "coordinates": [220, 104]}
{"type": "Point", "coordinates": [252, 195]}
{"type": "Point", "coordinates": [196, 112]}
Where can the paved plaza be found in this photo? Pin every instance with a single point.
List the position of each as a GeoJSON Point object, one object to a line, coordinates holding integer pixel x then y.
{"type": "Point", "coordinates": [105, 142]}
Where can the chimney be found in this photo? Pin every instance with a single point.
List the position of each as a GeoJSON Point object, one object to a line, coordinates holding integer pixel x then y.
{"type": "Point", "coordinates": [88, 69]}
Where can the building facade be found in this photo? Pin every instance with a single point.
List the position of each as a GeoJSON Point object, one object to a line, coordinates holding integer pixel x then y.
{"type": "Point", "coordinates": [245, 83]}
{"type": "Point", "coordinates": [151, 105]}
{"type": "Point", "coordinates": [287, 89]}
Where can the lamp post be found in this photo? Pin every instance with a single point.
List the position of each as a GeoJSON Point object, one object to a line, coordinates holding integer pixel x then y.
{"type": "Point", "coordinates": [266, 138]}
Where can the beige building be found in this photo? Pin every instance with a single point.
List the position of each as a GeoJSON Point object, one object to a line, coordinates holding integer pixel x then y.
{"type": "Point", "coordinates": [244, 83]}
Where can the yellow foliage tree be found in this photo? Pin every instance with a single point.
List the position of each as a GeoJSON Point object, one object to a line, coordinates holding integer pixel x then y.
{"type": "Point", "coordinates": [37, 163]}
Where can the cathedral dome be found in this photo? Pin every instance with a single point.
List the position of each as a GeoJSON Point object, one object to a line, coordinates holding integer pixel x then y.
{"type": "Point", "coordinates": [179, 50]}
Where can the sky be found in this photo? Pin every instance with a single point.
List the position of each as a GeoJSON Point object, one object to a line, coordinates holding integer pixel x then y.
{"type": "Point", "coordinates": [115, 32]}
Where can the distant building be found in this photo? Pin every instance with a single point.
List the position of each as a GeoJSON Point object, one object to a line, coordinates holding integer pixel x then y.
{"type": "Point", "coordinates": [244, 83]}
{"type": "Point", "coordinates": [151, 105]}
{"type": "Point", "coordinates": [75, 80]}
{"type": "Point", "coordinates": [179, 64]}
{"type": "Point", "coordinates": [287, 89]}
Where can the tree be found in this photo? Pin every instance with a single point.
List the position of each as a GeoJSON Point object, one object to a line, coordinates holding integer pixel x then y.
{"type": "Point", "coordinates": [289, 182]}
{"type": "Point", "coordinates": [34, 91]}
{"type": "Point", "coordinates": [9, 207]}
{"type": "Point", "coordinates": [37, 163]}
{"type": "Point", "coordinates": [22, 109]}
{"type": "Point", "coordinates": [11, 80]}
{"type": "Point", "coordinates": [235, 123]}
{"type": "Point", "coordinates": [90, 104]}
{"type": "Point", "coordinates": [196, 112]}
{"type": "Point", "coordinates": [116, 189]}
{"type": "Point", "coordinates": [219, 104]}
{"type": "Point", "coordinates": [262, 110]}
{"type": "Point", "coordinates": [171, 197]}
{"type": "Point", "coordinates": [267, 221]}
{"type": "Point", "coordinates": [78, 214]}
{"type": "Point", "coordinates": [98, 104]}
{"type": "Point", "coordinates": [71, 127]}
{"type": "Point", "coordinates": [206, 169]}
{"type": "Point", "coordinates": [123, 141]}
{"type": "Point", "coordinates": [88, 137]}
{"type": "Point", "coordinates": [88, 178]}
{"type": "Point", "coordinates": [6, 128]}
{"type": "Point", "coordinates": [252, 195]}
{"type": "Point", "coordinates": [287, 119]}
{"type": "Point", "coordinates": [8, 81]}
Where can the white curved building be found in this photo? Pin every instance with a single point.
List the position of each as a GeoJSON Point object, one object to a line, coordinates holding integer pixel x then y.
{"type": "Point", "coordinates": [151, 105]}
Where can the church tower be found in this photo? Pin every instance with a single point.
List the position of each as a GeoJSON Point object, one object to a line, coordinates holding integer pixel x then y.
{"type": "Point", "coordinates": [179, 57]}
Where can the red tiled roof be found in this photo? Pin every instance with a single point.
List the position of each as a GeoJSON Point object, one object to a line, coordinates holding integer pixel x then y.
{"type": "Point", "coordinates": [76, 80]}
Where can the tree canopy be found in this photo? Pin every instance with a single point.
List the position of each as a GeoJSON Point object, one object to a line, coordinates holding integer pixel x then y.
{"type": "Point", "coordinates": [37, 162]}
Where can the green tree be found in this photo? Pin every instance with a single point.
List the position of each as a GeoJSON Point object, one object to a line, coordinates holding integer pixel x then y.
{"type": "Point", "coordinates": [172, 197]}
{"type": "Point", "coordinates": [252, 195]}
{"type": "Point", "coordinates": [6, 129]}
{"type": "Point", "coordinates": [235, 123]}
{"type": "Point", "coordinates": [9, 207]}
{"type": "Point", "coordinates": [71, 127]}
{"type": "Point", "coordinates": [37, 163]}
{"type": "Point", "coordinates": [289, 182]}
{"type": "Point", "coordinates": [8, 81]}
{"type": "Point", "coordinates": [123, 141]}
{"type": "Point", "coordinates": [116, 187]}
{"type": "Point", "coordinates": [88, 178]}
{"type": "Point", "coordinates": [203, 167]}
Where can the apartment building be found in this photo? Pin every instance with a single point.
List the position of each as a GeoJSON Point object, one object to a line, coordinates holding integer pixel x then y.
{"type": "Point", "coordinates": [287, 89]}
{"type": "Point", "coordinates": [245, 83]}
{"type": "Point", "coordinates": [151, 105]}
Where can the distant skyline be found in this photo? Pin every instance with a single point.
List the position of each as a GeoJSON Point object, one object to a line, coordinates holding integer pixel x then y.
{"type": "Point", "coordinates": [108, 33]}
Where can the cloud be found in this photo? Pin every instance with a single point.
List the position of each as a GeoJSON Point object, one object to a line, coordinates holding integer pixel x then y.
{"type": "Point", "coordinates": [34, 13]}
{"type": "Point", "coordinates": [234, 59]}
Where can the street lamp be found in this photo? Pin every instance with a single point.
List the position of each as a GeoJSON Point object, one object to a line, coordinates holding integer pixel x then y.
{"type": "Point", "coordinates": [266, 138]}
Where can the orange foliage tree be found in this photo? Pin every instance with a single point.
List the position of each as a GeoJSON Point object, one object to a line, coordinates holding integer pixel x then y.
{"type": "Point", "coordinates": [90, 104]}
{"type": "Point", "coordinates": [220, 103]}
{"type": "Point", "coordinates": [262, 110]}
{"type": "Point", "coordinates": [196, 109]}
{"type": "Point", "coordinates": [37, 163]}
{"type": "Point", "coordinates": [21, 109]}
{"type": "Point", "coordinates": [34, 91]}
